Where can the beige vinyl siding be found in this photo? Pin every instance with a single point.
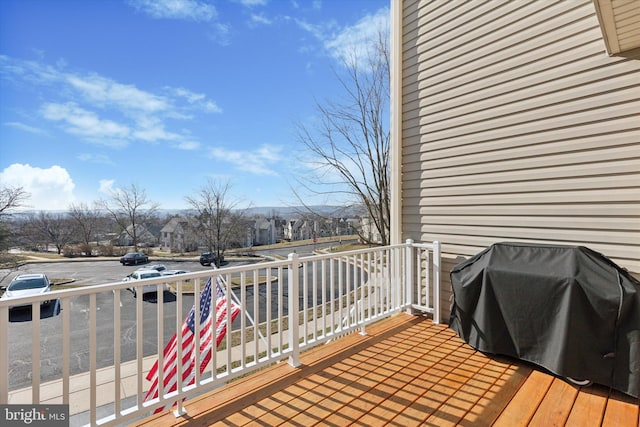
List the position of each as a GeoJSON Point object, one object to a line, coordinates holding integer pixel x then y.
{"type": "Point", "coordinates": [517, 125]}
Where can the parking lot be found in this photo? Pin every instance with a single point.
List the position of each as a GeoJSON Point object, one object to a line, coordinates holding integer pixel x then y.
{"type": "Point", "coordinates": [85, 274]}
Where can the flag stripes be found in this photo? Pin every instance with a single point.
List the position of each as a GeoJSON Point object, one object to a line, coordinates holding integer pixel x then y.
{"type": "Point", "coordinates": [189, 342]}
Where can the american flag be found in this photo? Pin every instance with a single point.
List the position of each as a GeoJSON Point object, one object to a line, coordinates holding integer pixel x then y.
{"type": "Point", "coordinates": [170, 368]}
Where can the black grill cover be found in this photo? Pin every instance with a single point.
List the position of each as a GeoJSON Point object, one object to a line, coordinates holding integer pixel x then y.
{"type": "Point", "coordinates": [568, 309]}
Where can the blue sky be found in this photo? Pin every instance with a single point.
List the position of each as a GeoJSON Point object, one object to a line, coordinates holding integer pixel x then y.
{"type": "Point", "coordinates": [98, 95]}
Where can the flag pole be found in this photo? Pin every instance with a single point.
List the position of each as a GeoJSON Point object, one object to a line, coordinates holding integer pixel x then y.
{"type": "Point", "coordinates": [246, 313]}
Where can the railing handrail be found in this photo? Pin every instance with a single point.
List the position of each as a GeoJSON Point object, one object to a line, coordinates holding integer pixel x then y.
{"type": "Point", "coordinates": [365, 285]}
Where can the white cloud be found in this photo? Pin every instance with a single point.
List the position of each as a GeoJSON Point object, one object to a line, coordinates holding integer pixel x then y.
{"type": "Point", "coordinates": [316, 30]}
{"type": "Point", "coordinates": [49, 189]}
{"type": "Point", "coordinates": [187, 145]}
{"type": "Point", "coordinates": [251, 3]}
{"type": "Point", "coordinates": [151, 129]}
{"type": "Point", "coordinates": [259, 162]}
{"type": "Point", "coordinates": [197, 100]}
{"type": "Point", "coordinates": [85, 123]}
{"type": "Point", "coordinates": [26, 128]}
{"type": "Point", "coordinates": [176, 9]}
{"type": "Point", "coordinates": [260, 19]}
{"type": "Point", "coordinates": [95, 158]}
{"type": "Point", "coordinates": [103, 111]}
{"type": "Point", "coordinates": [109, 93]}
{"type": "Point", "coordinates": [349, 43]}
{"type": "Point", "coordinates": [354, 42]}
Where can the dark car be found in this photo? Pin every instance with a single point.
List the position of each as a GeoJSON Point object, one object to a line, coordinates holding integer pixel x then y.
{"type": "Point", "coordinates": [134, 259]}
{"type": "Point", "coordinates": [209, 258]}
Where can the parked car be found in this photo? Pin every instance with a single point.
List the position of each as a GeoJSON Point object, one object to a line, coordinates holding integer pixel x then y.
{"type": "Point", "coordinates": [141, 275]}
{"type": "Point", "coordinates": [27, 284]}
{"type": "Point", "coordinates": [157, 267]}
{"type": "Point", "coordinates": [209, 258]}
{"type": "Point", "coordinates": [134, 258]}
{"type": "Point", "coordinates": [175, 273]}
{"type": "Point", "coordinates": [172, 272]}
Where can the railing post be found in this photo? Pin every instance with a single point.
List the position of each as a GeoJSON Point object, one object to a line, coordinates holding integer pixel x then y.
{"type": "Point", "coordinates": [436, 281]}
{"type": "Point", "coordinates": [4, 355]}
{"type": "Point", "coordinates": [294, 310]}
{"type": "Point", "coordinates": [408, 275]}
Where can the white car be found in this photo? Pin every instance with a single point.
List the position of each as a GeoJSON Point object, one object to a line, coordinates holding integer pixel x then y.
{"type": "Point", "coordinates": [157, 267]}
{"type": "Point", "coordinates": [173, 272]}
{"type": "Point", "coordinates": [144, 274]}
{"type": "Point", "coordinates": [27, 284]}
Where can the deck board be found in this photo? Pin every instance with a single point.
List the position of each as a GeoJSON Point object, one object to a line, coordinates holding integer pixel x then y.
{"type": "Point", "coordinates": [588, 408]}
{"type": "Point", "coordinates": [405, 372]}
{"type": "Point", "coordinates": [556, 407]}
{"type": "Point", "coordinates": [621, 410]}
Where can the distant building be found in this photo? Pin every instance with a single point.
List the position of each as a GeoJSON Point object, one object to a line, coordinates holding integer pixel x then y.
{"type": "Point", "coordinates": [268, 231]}
{"type": "Point", "coordinates": [145, 237]}
{"type": "Point", "coordinates": [297, 229]}
{"type": "Point", "coordinates": [178, 235]}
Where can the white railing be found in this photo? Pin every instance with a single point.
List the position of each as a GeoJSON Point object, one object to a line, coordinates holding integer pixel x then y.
{"type": "Point", "coordinates": [103, 341]}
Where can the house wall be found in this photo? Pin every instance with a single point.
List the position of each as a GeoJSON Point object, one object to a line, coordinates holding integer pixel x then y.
{"type": "Point", "coordinates": [515, 125]}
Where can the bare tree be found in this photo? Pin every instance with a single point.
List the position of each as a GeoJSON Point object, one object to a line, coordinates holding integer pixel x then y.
{"type": "Point", "coordinates": [351, 145]}
{"type": "Point", "coordinates": [10, 198]}
{"type": "Point", "coordinates": [87, 223]}
{"type": "Point", "coordinates": [54, 228]}
{"type": "Point", "coordinates": [130, 209]}
{"type": "Point", "coordinates": [215, 217]}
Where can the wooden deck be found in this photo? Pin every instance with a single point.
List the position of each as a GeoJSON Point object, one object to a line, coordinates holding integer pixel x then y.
{"type": "Point", "coordinates": [405, 372]}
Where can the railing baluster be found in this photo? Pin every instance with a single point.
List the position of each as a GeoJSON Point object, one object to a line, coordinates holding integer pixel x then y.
{"type": "Point", "coordinates": [116, 350]}
{"type": "Point", "coordinates": [361, 285]}
{"type": "Point", "coordinates": [324, 298]}
{"type": "Point", "coordinates": [256, 312]}
{"type": "Point", "coordinates": [332, 299]}
{"type": "Point", "coordinates": [268, 316]}
{"type": "Point", "coordinates": [305, 302]}
{"type": "Point", "coordinates": [196, 331]}
{"type": "Point", "coordinates": [160, 334]}
{"type": "Point", "coordinates": [280, 308]}
{"type": "Point", "coordinates": [436, 282]}
{"type": "Point", "coordinates": [243, 323]}
{"type": "Point", "coordinates": [179, 320]}
{"type": "Point", "coordinates": [370, 279]}
{"type": "Point", "coordinates": [92, 357]}
{"type": "Point", "coordinates": [294, 303]}
{"type": "Point", "coordinates": [35, 353]}
{"type": "Point", "coordinates": [4, 355]}
{"type": "Point", "coordinates": [139, 351]}
{"type": "Point", "coordinates": [228, 292]}
{"type": "Point", "coordinates": [66, 348]}
{"type": "Point", "coordinates": [314, 302]}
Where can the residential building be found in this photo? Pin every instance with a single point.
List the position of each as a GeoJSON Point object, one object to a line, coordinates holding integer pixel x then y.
{"type": "Point", "coordinates": [178, 235]}
{"type": "Point", "coordinates": [144, 236]}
